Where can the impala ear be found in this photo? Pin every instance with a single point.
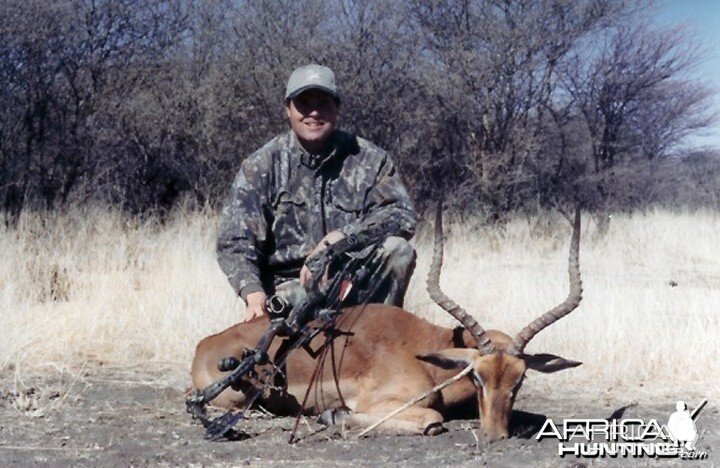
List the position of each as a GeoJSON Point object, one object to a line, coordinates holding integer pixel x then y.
{"type": "Point", "coordinates": [451, 358]}
{"type": "Point", "coordinates": [548, 362]}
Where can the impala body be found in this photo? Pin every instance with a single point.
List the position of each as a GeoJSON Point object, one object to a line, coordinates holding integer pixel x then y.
{"type": "Point", "coordinates": [374, 362]}
{"type": "Point", "coordinates": [385, 356]}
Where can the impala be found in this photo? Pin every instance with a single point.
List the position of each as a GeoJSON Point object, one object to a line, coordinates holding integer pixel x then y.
{"type": "Point", "coordinates": [383, 355]}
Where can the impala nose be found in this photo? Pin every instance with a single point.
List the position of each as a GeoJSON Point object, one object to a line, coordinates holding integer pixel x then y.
{"type": "Point", "coordinates": [495, 436]}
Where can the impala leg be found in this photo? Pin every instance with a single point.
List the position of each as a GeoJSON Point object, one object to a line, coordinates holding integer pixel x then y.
{"type": "Point", "coordinates": [413, 420]}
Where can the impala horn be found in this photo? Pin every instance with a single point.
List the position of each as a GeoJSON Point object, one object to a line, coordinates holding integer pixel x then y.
{"type": "Point", "coordinates": [567, 306]}
{"type": "Point", "coordinates": [482, 340]}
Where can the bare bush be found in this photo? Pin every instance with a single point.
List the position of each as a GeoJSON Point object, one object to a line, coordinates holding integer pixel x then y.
{"type": "Point", "coordinates": [503, 105]}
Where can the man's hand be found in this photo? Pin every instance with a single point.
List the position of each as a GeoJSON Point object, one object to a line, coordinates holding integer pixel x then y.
{"type": "Point", "coordinates": [329, 239]}
{"type": "Point", "coordinates": [255, 305]}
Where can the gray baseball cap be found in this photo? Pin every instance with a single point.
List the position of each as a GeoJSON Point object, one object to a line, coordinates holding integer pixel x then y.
{"type": "Point", "coordinates": [311, 77]}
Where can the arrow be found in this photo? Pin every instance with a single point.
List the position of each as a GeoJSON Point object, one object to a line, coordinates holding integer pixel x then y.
{"type": "Point", "coordinates": [696, 412]}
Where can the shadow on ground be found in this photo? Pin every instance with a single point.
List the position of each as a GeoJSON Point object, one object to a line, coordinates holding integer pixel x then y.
{"type": "Point", "coordinates": [107, 418]}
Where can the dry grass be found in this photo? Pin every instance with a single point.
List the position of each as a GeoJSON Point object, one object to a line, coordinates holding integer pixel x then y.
{"type": "Point", "coordinates": [92, 286]}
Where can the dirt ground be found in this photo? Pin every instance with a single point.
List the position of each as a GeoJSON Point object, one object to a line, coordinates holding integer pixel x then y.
{"type": "Point", "coordinates": [110, 417]}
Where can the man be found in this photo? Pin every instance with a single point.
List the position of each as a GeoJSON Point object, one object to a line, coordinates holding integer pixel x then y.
{"type": "Point", "coordinates": [305, 190]}
{"type": "Point", "coordinates": [682, 426]}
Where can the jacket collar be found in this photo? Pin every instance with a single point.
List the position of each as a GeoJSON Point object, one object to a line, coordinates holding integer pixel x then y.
{"type": "Point", "coordinates": [318, 162]}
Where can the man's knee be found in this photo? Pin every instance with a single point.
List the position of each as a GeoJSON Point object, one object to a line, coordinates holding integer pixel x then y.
{"type": "Point", "coordinates": [399, 252]}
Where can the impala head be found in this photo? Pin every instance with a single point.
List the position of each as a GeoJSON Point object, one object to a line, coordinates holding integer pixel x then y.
{"type": "Point", "coordinates": [499, 361]}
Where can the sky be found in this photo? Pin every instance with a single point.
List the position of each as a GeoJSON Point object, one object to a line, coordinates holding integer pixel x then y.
{"type": "Point", "coordinates": [702, 19]}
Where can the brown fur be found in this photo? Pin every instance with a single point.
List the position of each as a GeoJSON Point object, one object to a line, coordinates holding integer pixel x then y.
{"type": "Point", "coordinates": [376, 361]}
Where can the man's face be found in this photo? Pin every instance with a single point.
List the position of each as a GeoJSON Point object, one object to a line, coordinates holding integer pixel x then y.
{"type": "Point", "coordinates": [313, 116]}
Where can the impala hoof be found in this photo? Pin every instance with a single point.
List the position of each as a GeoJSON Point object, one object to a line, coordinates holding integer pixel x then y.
{"type": "Point", "coordinates": [332, 416]}
{"type": "Point", "coordinates": [434, 429]}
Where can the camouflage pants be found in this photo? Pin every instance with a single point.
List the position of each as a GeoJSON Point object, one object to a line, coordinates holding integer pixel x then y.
{"type": "Point", "coordinates": [395, 262]}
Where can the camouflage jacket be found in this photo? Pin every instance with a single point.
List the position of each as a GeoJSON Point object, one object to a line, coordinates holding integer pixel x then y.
{"type": "Point", "coordinates": [284, 201]}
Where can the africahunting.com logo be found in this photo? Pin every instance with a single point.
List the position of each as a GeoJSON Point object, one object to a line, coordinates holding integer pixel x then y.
{"type": "Point", "coordinates": [637, 438]}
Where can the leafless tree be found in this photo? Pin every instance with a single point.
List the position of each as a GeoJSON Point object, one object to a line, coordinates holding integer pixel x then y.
{"type": "Point", "coordinates": [503, 104]}
{"type": "Point", "coordinates": [636, 101]}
